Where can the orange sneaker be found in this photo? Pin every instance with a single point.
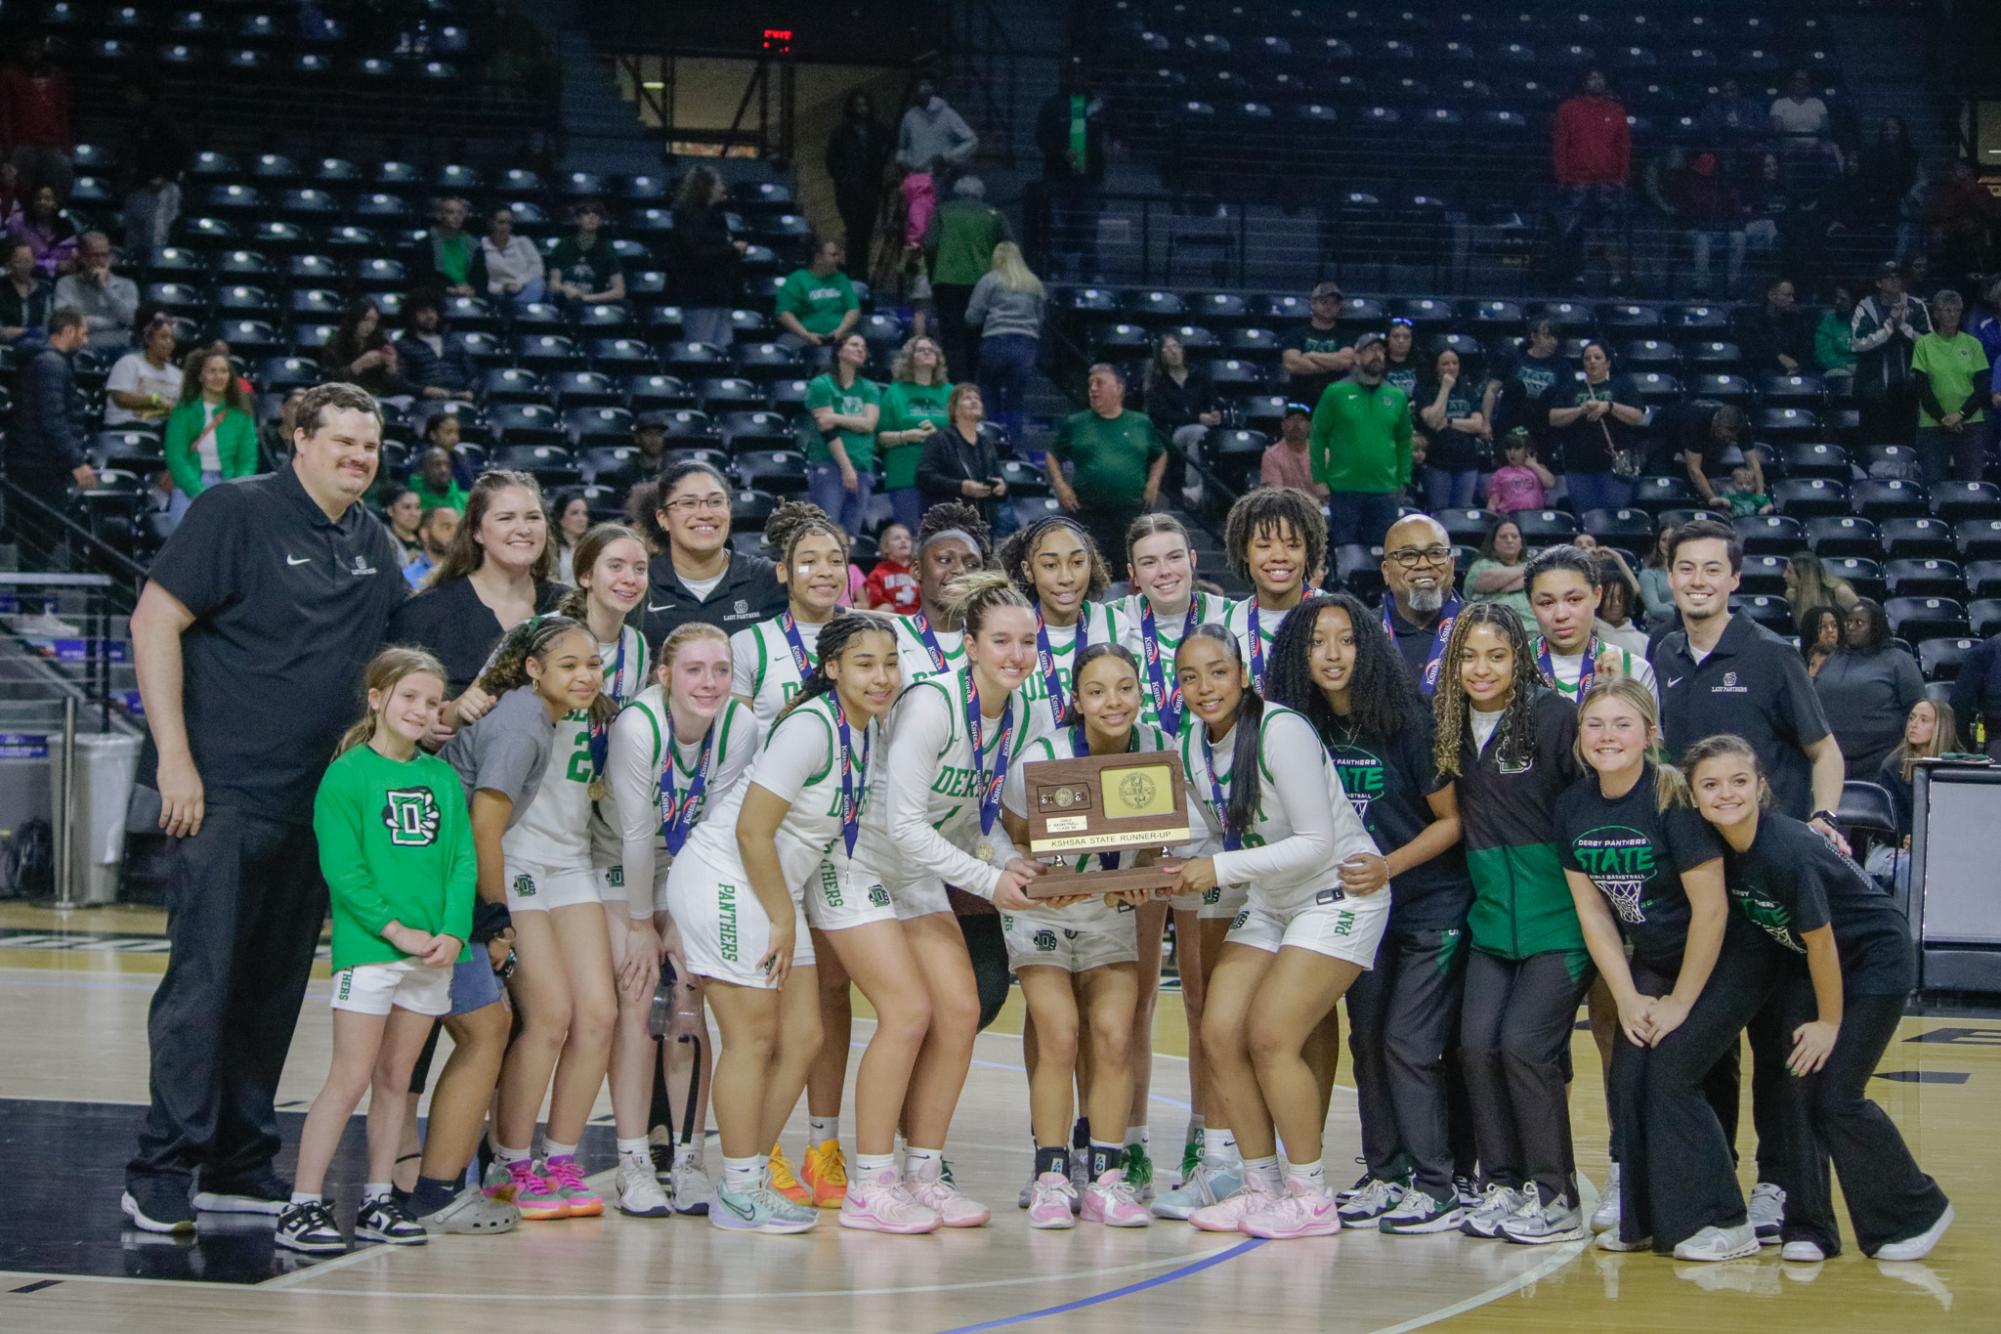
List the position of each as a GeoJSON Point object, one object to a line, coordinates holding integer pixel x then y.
{"type": "Point", "coordinates": [826, 1171]}
{"type": "Point", "coordinates": [784, 1182]}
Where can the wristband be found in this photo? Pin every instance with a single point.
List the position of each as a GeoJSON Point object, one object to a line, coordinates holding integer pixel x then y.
{"type": "Point", "coordinates": [488, 921]}
{"type": "Point", "coordinates": [1829, 816]}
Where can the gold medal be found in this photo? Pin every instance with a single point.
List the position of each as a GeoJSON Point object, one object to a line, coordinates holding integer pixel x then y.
{"type": "Point", "coordinates": [985, 851]}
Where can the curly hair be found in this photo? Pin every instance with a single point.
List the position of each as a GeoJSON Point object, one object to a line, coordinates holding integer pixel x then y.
{"type": "Point", "coordinates": [835, 638]}
{"type": "Point", "coordinates": [534, 638]}
{"type": "Point", "coordinates": [233, 396]}
{"type": "Point", "coordinates": [1240, 810]}
{"type": "Point", "coordinates": [576, 604]}
{"type": "Point", "coordinates": [465, 553]}
{"type": "Point", "coordinates": [1449, 705]}
{"type": "Point", "coordinates": [948, 515]}
{"type": "Point", "coordinates": [1018, 553]}
{"type": "Point", "coordinates": [790, 523]}
{"type": "Point", "coordinates": [903, 365]}
{"type": "Point", "coordinates": [1274, 510]}
{"type": "Point", "coordinates": [1382, 697]}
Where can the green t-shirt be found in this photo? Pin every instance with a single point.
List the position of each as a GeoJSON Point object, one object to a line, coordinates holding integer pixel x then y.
{"type": "Point", "coordinates": [968, 231]}
{"type": "Point", "coordinates": [824, 393]}
{"type": "Point", "coordinates": [453, 256]}
{"type": "Point", "coordinates": [1109, 457]}
{"type": "Point", "coordinates": [904, 406]}
{"type": "Point", "coordinates": [592, 269]}
{"type": "Point", "coordinates": [395, 845]}
{"type": "Point", "coordinates": [453, 496]}
{"type": "Point", "coordinates": [817, 303]}
{"type": "Point", "coordinates": [1951, 363]}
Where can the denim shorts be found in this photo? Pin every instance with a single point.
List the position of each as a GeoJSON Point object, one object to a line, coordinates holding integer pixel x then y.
{"type": "Point", "coordinates": [474, 983]}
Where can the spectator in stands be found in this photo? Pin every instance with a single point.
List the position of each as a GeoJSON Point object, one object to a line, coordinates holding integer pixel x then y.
{"type": "Point", "coordinates": [145, 383]}
{"type": "Point", "coordinates": [1117, 457]}
{"type": "Point", "coordinates": [1958, 213]}
{"type": "Point", "coordinates": [361, 353]}
{"type": "Point", "coordinates": [435, 530]}
{"type": "Point", "coordinates": [1071, 130]}
{"type": "Point", "coordinates": [1618, 594]}
{"type": "Point", "coordinates": [1314, 355]}
{"type": "Point", "coordinates": [211, 435]}
{"type": "Point", "coordinates": [513, 266]}
{"type": "Point", "coordinates": [1656, 597]}
{"type": "Point", "coordinates": [572, 520]}
{"type": "Point", "coordinates": [1449, 409]}
{"type": "Point", "coordinates": [702, 259]}
{"type": "Point", "coordinates": [35, 117]}
{"type": "Point", "coordinates": [45, 439]}
{"type": "Point", "coordinates": [1593, 151]}
{"type": "Point", "coordinates": [817, 304]}
{"type": "Point", "coordinates": [1500, 573]}
{"type": "Point", "coordinates": [1007, 307]}
{"type": "Point", "coordinates": [442, 430]}
{"type": "Point", "coordinates": [1400, 368]}
{"type": "Point", "coordinates": [1731, 119]}
{"type": "Point", "coordinates": [1775, 336]}
{"type": "Point", "coordinates": [25, 296]}
{"type": "Point", "coordinates": [584, 269]}
{"type": "Point", "coordinates": [958, 464]}
{"type": "Point", "coordinates": [1954, 383]}
{"type": "Point", "coordinates": [403, 516]}
{"type": "Point", "coordinates": [1418, 601]}
{"type": "Point", "coordinates": [1866, 688]}
{"type": "Point", "coordinates": [1930, 730]}
{"type": "Point", "coordinates": [1834, 336]}
{"type": "Point", "coordinates": [1976, 697]}
{"type": "Point", "coordinates": [1362, 449]}
{"type": "Point", "coordinates": [1522, 482]}
{"type": "Point", "coordinates": [1287, 461]}
{"type": "Point", "coordinates": [649, 437]}
{"type": "Point", "coordinates": [1810, 585]}
{"type": "Point", "coordinates": [448, 258]}
{"type": "Point", "coordinates": [1801, 121]}
{"type": "Point", "coordinates": [1516, 394]}
{"type": "Point", "coordinates": [108, 302]}
{"type": "Point", "coordinates": [960, 241]}
{"type": "Point", "coordinates": [694, 574]}
{"type": "Point", "coordinates": [434, 483]}
{"type": "Point", "coordinates": [1890, 167]}
{"type": "Point", "coordinates": [1710, 214]}
{"type": "Point", "coordinates": [857, 152]}
{"type": "Point", "coordinates": [892, 585]}
{"type": "Point", "coordinates": [1705, 438]}
{"type": "Point", "coordinates": [1600, 420]}
{"type": "Point", "coordinates": [48, 231]}
{"type": "Point", "coordinates": [156, 155]}
{"type": "Point", "coordinates": [1180, 401]}
{"type": "Point", "coordinates": [914, 407]}
{"type": "Point", "coordinates": [436, 365]}
{"type": "Point", "coordinates": [846, 405]}
{"type": "Point", "coordinates": [1744, 492]}
{"type": "Point", "coordinates": [933, 135]}
{"type": "Point", "coordinates": [1820, 627]}
{"type": "Point", "coordinates": [1884, 332]}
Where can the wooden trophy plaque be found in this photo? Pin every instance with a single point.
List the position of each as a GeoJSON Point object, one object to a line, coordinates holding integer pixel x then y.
{"type": "Point", "coordinates": [1104, 803]}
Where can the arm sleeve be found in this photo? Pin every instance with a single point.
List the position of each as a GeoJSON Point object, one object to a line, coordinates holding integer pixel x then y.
{"type": "Point", "coordinates": [976, 309]}
{"type": "Point", "coordinates": [1966, 688]}
{"type": "Point", "coordinates": [743, 663]}
{"type": "Point", "coordinates": [1910, 682]}
{"type": "Point", "coordinates": [787, 301]}
{"type": "Point", "coordinates": [200, 562]}
{"type": "Point", "coordinates": [1288, 746]}
{"type": "Point", "coordinates": [57, 429]}
{"type": "Point", "coordinates": [462, 880]}
{"type": "Point", "coordinates": [504, 763]}
{"type": "Point", "coordinates": [124, 377]}
{"type": "Point", "coordinates": [918, 738]}
{"type": "Point", "coordinates": [802, 747]}
{"type": "Point", "coordinates": [1691, 840]}
{"type": "Point", "coordinates": [1927, 396]}
{"type": "Point", "coordinates": [1401, 439]}
{"type": "Point", "coordinates": [1865, 313]}
{"type": "Point", "coordinates": [932, 479]}
{"type": "Point", "coordinates": [1320, 444]}
{"type": "Point", "coordinates": [739, 750]}
{"type": "Point", "coordinates": [343, 861]}
{"type": "Point", "coordinates": [635, 758]}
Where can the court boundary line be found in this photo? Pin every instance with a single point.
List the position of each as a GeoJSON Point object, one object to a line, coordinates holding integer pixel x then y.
{"type": "Point", "coordinates": [1209, 1261]}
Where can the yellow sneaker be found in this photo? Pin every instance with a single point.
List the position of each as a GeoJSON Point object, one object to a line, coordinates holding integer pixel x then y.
{"type": "Point", "coordinates": [826, 1171]}
{"type": "Point", "coordinates": [784, 1182]}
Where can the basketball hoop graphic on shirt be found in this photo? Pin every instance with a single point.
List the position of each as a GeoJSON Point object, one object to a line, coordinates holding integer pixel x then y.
{"type": "Point", "coordinates": [1624, 893]}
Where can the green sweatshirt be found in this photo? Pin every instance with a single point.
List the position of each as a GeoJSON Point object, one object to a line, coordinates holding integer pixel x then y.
{"type": "Point", "coordinates": [395, 846]}
{"type": "Point", "coordinates": [1361, 438]}
{"type": "Point", "coordinates": [1833, 344]}
{"type": "Point", "coordinates": [961, 240]}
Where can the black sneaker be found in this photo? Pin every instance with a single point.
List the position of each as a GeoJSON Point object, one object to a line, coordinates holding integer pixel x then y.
{"type": "Point", "coordinates": [385, 1220]}
{"type": "Point", "coordinates": [309, 1228]}
{"type": "Point", "coordinates": [266, 1194]}
{"type": "Point", "coordinates": [158, 1205]}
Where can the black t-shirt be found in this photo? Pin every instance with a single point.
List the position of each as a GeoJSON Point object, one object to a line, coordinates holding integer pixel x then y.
{"type": "Point", "coordinates": [1525, 384]}
{"type": "Point", "coordinates": [1753, 684]}
{"type": "Point", "coordinates": [1453, 451]}
{"type": "Point", "coordinates": [461, 631]}
{"type": "Point", "coordinates": [1307, 389]}
{"type": "Point", "coordinates": [1387, 780]}
{"type": "Point", "coordinates": [1403, 374]}
{"type": "Point", "coordinates": [1688, 431]}
{"type": "Point", "coordinates": [1792, 881]}
{"type": "Point", "coordinates": [1636, 855]}
{"type": "Point", "coordinates": [749, 593]}
{"type": "Point", "coordinates": [289, 607]}
{"type": "Point", "coordinates": [1588, 445]}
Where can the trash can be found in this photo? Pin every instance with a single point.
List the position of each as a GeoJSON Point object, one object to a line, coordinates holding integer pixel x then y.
{"type": "Point", "coordinates": [106, 766]}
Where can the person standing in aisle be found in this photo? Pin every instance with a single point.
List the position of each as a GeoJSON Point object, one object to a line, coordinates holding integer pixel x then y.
{"type": "Point", "coordinates": [960, 240]}
{"type": "Point", "coordinates": [1117, 456]}
{"type": "Point", "coordinates": [1361, 449]}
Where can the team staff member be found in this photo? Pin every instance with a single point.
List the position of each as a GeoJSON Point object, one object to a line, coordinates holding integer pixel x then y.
{"type": "Point", "coordinates": [695, 576]}
{"type": "Point", "coordinates": [1418, 601]}
{"type": "Point", "coordinates": [250, 641]}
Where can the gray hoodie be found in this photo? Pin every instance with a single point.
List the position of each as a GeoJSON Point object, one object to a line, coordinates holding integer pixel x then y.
{"type": "Point", "coordinates": [934, 133]}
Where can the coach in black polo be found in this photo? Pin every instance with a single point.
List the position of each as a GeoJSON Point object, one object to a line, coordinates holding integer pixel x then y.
{"type": "Point", "coordinates": [250, 641]}
{"type": "Point", "coordinates": [695, 576]}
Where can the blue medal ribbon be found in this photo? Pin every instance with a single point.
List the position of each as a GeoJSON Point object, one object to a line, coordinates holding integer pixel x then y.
{"type": "Point", "coordinates": [1586, 670]}
{"type": "Point", "coordinates": [922, 624]}
{"type": "Point", "coordinates": [802, 660]}
{"type": "Point", "coordinates": [616, 680]}
{"type": "Point", "coordinates": [1258, 642]}
{"type": "Point", "coordinates": [1045, 658]}
{"type": "Point", "coordinates": [990, 783]}
{"type": "Point", "coordinates": [1166, 690]}
{"type": "Point", "coordinates": [677, 817]}
{"type": "Point", "coordinates": [1232, 840]}
{"type": "Point", "coordinates": [852, 775]}
{"type": "Point", "coordinates": [1428, 681]}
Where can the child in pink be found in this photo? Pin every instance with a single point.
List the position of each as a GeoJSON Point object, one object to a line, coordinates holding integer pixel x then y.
{"type": "Point", "coordinates": [1522, 484]}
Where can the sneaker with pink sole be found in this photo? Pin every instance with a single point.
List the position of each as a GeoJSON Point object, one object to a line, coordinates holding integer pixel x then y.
{"type": "Point", "coordinates": [881, 1202]}
{"type": "Point", "coordinates": [1228, 1215]}
{"type": "Point", "coordinates": [943, 1198]}
{"type": "Point", "coordinates": [1049, 1200]}
{"type": "Point", "coordinates": [1301, 1212]}
{"type": "Point", "coordinates": [535, 1195]}
{"type": "Point", "coordinates": [1114, 1201]}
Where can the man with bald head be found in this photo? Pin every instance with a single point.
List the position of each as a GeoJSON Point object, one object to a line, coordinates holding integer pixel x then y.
{"type": "Point", "coordinates": [1419, 603]}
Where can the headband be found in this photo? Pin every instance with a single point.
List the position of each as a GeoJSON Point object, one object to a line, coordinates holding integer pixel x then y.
{"type": "Point", "coordinates": [944, 533]}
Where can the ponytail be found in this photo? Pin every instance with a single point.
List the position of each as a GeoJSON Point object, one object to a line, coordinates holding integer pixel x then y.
{"type": "Point", "coordinates": [969, 598]}
{"type": "Point", "coordinates": [576, 604]}
{"type": "Point", "coordinates": [1670, 788]}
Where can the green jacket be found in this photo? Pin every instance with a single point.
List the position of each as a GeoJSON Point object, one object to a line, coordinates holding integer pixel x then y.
{"type": "Point", "coordinates": [961, 240]}
{"type": "Point", "coordinates": [1361, 438]}
{"type": "Point", "coordinates": [235, 444]}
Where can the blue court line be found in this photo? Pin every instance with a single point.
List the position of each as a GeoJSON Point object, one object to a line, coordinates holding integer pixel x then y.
{"type": "Point", "coordinates": [1193, 1267]}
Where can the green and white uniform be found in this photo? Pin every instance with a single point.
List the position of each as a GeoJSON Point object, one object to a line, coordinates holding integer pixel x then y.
{"type": "Point", "coordinates": [761, 666]}
{"type": "Point", "coordinates": [913, 656]}
{"type": "Point", "coordinates": [1238, 621]}
{"type": "Point", "coordinates": [1063, 649]}
{"type": "Point", "coordinates": [625, 675]}
{"type": "Point", "coordinates": [642, 744]}
{"type": "Point", "coordinates": [1126, 620]}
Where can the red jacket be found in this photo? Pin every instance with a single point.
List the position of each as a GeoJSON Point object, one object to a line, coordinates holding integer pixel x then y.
{"type": "Point", "coordinates": [1594, 145]}
{"type": "Point", "coordinates": [34, 112]}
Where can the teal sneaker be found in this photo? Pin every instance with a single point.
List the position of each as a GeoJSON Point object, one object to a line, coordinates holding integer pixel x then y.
{"type": "Point", "coordinates": [1139, 1172]}
{"type": "Point", "coordinates": [1206, 1185]}
{"type": "Point", "coordinates": [760, 1209]}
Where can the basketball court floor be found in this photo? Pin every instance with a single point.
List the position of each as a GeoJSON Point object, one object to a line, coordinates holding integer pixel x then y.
{"type": "Point", "coordinates": [73, 995]}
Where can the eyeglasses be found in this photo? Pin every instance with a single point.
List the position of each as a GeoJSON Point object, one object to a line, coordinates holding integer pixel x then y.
{"type": "Point", "coordinates": [1410, 558]}
{"type": "Point", "coordinates": [690, 504]}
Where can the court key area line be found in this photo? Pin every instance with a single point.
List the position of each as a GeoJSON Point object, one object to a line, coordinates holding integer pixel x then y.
{"type": "Point", "coordinates": [1099, 1298]}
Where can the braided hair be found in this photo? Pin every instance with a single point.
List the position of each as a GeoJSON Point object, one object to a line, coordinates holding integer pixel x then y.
{"type": "Point", "coordinates": [835, 637]}
{"type": "Point", "coordinates": [1271, 511]}
{"type": "Point", "coordinates": [1515, 736]}
{"type": "Point", "coordinates": [792, 521]}
{"type": "Point", "coordinates": [1382, 697]}
{"type": "Point", "coordinates": [1240, 811]}
{"type": "Point", "coordinates": [534, 638]}
{"type": "Point", "coordinates": [948, 515]}
{"type": "Point", "coordinates": [1017, 554]}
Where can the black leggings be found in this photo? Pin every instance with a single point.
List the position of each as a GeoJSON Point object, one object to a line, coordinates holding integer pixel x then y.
{"type": "Point", "coordinates": [1515, 1026]}
{"type": "Point", "coordinates": [1403, 1019]}
{"type": "Point", "coordinates": [989, 954]}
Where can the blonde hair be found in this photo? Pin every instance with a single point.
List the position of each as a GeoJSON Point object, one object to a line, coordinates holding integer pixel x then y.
{"type": "Point", "coordinates": [972, 595]}
{"type": "Point", "coordinates": [679, 638]}
{"type": "Point", "coordinates": [902, 367]}
{"type": "Point", "coordinates": [1013, 271]}
{"type": "Point", "coordinates": [1670, 788]}
{"type": "Point", "coordinates": [1945, 737]}
{"type": "Point", "coordinates": [1731, 745]}
{"type": "Point", "coordinates": [387, 668]}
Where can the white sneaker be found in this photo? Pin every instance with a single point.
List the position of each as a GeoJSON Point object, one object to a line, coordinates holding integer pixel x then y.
{"type": "Point", "coordinates": [1605, 1218]}
{"type": "Point", "coordinates": [1918, 1247]}
{"type": "Point", "coordinates": [1802, 1252]}
{"type": "Point", "coordinates": [1556, 1221]}
{"type": "Point", "coordinates": [1206, 1185]}
{"type": "Point", "coordinates": [1609, 1241]}
{"type": "Point", "coordinates": [689, 1183]}
{"type": "Point", "coordinates": [1371, 1202]}
{"type": "Point", "coordinates": [46, 625]}
{"type": "Point", "coordinates": [1766, 1212]}
{"type": "Point", "coordinates": [1714, 1244]}
{"type": "Point", "coordinates": [1228, 1215]}
{"type": "Point", "coordinates": [1496, 1206]}
{"type": "Point", "coordinates": [639, 1194]}
{"type": "Point", "coordinates": [943, 1198]}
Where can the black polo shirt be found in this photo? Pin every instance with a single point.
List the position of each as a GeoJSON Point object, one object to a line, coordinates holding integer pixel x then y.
{"type": "Point", "coordinates": [451, 622]}
{"type": "Point", "coordinates": [1754, 685]}
{"type": "Point", "coordinates": [749, 593]}
{"type": "Point", "coordinates": [289, 606]}
{"type": "Point", "coordinates": [1414, 642]}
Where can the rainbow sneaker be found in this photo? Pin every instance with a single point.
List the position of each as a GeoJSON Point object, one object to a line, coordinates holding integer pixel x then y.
{"type": "Point", "coordinates": [784, 1182]}
{"type": "Point", "coordinates": [535, 1195]}
{"type": "Point", "coordinates": [567, 1179]}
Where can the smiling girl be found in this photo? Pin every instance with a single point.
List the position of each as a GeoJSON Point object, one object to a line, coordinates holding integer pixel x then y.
{"type": "Point", "coordinates": [1058, 568]}
{"type": "Point", "coordinates": [1277, 538]}
{"type": "Point", "coordinates": [951, 541]}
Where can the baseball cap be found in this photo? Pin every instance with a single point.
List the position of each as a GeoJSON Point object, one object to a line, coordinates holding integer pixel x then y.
{"type": "Point", "coordinates": [1368, 338]}
{"type": "Point", "coordinates": [1328, 288]}
{"type": "Point", "coordinates": [1295, 410]}
{"type": "Point", "coordinates": [1889, 268]}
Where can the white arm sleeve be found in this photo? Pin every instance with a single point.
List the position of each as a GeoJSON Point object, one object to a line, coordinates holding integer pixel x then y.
{"type": "Point", "coordinates": [920, 732]}
{"type": "Point", "coordinates": [1289, 747]}
{"type": "Point", "coordinates": [633, 771]}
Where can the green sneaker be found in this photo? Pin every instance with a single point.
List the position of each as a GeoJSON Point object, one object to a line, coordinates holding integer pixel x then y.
{"type": "Point", "coordinates": [1139, 1172]}
{"type": "Point", "coordinates": [1191, 1158]}
{"type": "Point", "coordinates": [760, 1209]}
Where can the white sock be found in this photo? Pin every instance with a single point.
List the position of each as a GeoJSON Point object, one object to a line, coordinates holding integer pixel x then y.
{"type": "Point", "coordinates": [307, 1197]}
{"type": "Point", "coordinates": [1195, 1129]}
{"type": "Point", "coordinates": [636, 1148]}
{"type": "Point", "coordinates": [1137, 1135]}
{"type": "Point", "coordinates": [376, 1190]}
{"type": "Point", "coordinates": [922, 1164]}
{"type": "Point", "coordinates": [1220, 1148]}
{"type": "Point", "coordinates": [691, 1152]}
{"type": "Point", "coordinates": [741, 1175]}
{"type": "Point", "coordinates": [507, 1157]}
{"type": "Point", "coordinates": [1265, 1171]}
{"type": "Point", "coordinates": [551, 1149]}
{"type": "Point", "coordinates": [820, 1129]}
{"type": "Point", "coordinates": [1311, 1175]}
{"type": "Point", "coordinates": [868, 1165]}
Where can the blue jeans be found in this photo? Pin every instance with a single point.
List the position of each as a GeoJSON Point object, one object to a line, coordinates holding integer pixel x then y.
{"type": "Point", "coordinates": [1450, 490]}
{"type": "Point", "coordinates": [906, 503]}
{"type": "Point", "coordinates": [1596, 491]}
{"type": "Point", "coordinates": [1359, 518]}
{"type": "Point", "coordinates": [707, 324]}
{"type": "Point", "coordinates": [845, 507]}
{"type": "Point", "coordinates": [1005, 362]}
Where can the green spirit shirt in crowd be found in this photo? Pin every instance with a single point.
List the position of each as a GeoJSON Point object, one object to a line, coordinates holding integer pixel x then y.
{"type": "Point", "coordinates": [453, 256]}
{"type": "Point", "coordinates": [961, 239]}
{"type": "Point", "coordinates": [395, 846]}
{"type": "Point", "coordinates": [592, 269]}
{"type": "Point", "coordinates": [824, 393]}
{"type": "Point", "coordinates": [817, 303]}
{"type": "Point", "coordinates": [1361, 438]}
{"type": "Point", "coordinates": [1109, 457]}
{"type": "Point", "coordinates": [452, 497]}
{"type": "Point", "coordinates": [905, 405]}
{"type": "Point", "coordinates": [1079, 131]}
{"type": "Point", "coordinates": [1952, 364]}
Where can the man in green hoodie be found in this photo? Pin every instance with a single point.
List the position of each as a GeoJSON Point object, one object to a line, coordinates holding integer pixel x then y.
{"type": "Point", "coordinates": [1360, 449]}
{"type": "Point", "coordinates": [960, 242]}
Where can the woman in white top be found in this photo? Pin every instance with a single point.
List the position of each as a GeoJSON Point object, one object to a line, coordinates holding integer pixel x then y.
{"type": "Point", "coordinates": [1296, 946]}
{"type": "Point", "coordinates": [1277, 538]}
{"type": "Point", "coordinates": [514, 267]}
{"type": "Point", "coordinates": [1061, 572]}
{"type": "Point", "coordinates": [677, 751]}
{"type": "Point", "coordinates": [951, 540]}
{"type": "Point", "coordinates": [145, 384]}
{"type": "Point", "coordinates": [736, 891]}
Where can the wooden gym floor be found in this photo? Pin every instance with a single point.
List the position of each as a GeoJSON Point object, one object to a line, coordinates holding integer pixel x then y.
{"type": "Point", "coordinates": [73, 994]}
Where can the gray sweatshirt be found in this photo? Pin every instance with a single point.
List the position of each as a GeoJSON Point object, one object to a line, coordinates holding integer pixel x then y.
{"type": "Point", "coordinates": [996, 310]}
{"type": "Point", "coordinates": [934, 133]}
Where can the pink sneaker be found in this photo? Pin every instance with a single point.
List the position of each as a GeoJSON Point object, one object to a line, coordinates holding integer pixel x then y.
{"type": "Point", "coordinates": [944, 1199]}
{"type": "Point", "coordinates": [1300, 1212]}
{"type": "Point", "coordinates": [1113, 1201]}
{"type": "Point", "coordinates": [883, 1203]}
{"type": "Point", "coordinates": [1049, 1201]}
{"type": "Point", "coordinates": [534, 1194]}
{"type": "Point", "coordinates": [1228, 1213]}
{"type": "Point", "coordinates": [567, 1180]}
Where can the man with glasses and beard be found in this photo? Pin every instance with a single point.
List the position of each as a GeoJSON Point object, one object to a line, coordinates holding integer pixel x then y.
{"type": "Point", "coordinates": [1418, 602]}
